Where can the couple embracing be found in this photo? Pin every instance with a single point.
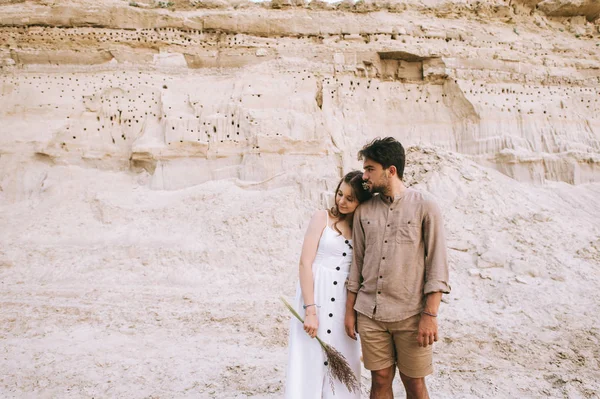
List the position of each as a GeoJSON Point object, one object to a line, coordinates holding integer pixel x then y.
{"type": "Point", "coordinates": [373, 269]}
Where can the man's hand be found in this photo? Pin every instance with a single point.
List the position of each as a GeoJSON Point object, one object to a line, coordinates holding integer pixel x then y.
{"type": "Point", "coordinates": [428, 330]}
{"type": "Point", "coordinates": [311, 324]}
{"type": "Point", "coordinates": [350, 323]}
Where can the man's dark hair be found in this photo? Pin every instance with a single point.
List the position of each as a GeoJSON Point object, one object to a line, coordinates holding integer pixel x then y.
{"type": "Point", "coordinates": [386, 151]}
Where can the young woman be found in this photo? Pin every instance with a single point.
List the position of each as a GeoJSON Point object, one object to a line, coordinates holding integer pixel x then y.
{"type": "Point", "coordinates": [321, 297]}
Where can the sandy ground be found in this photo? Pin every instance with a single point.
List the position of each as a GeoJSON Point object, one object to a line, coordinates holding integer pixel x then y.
{"type": "Point", "coordinates": [110, 289]}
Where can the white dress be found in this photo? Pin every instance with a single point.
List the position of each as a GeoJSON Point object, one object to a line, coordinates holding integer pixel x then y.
{"type": "Point", "coordinates": [307, 376]}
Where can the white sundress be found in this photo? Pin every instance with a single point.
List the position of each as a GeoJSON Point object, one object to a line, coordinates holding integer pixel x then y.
{"type": "Point", "coordinates": [306, 376]}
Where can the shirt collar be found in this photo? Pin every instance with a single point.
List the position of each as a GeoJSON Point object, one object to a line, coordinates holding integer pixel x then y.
{"type": "Point", "coordinates": [390, 200]}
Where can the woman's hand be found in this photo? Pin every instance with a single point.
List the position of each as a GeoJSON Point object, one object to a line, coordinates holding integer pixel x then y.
{"type": "Point", "coordinates": [311, 324]}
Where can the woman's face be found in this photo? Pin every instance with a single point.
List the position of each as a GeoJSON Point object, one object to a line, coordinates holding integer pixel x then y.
{"type": "Point", "coordinates": [345, 199]}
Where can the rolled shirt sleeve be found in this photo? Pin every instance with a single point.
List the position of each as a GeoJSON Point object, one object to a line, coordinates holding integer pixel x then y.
{"type": "Point", "coordinates": [436, 257]}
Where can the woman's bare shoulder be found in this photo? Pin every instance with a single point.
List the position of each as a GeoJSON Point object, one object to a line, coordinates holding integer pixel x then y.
{"type": "Point", "coordinates": [319, 216]}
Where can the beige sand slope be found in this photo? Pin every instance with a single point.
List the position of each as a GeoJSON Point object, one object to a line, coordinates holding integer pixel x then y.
{"type": "Point", "coordinates": [112, 289]}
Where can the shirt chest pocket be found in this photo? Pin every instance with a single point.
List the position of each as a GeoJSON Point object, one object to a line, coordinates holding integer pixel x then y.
{"type": "Point", "coordinates": [371, 229]}
{"type": "Point", "coordinates": [408, 232]}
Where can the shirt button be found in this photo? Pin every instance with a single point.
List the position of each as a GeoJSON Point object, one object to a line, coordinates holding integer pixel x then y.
{"type": "Point", "coordinates": [391, 209]}
{"type": "Point", "coordinates": [385, 241]}
{"type": "Point", "coordinates": [388, 225]}
{"type": "Point", "coordinates": [328, 331]}
{"type": "Point", "coordinates": [337, 268]}
{"type": "Point", "coordinates": [330, 314]}
{"type": "Point", "coordinates": [344, 254]}
{"type": "Point", "coordinates": [379, 292]}
{"type": "Point", "coordinates": [332, 299]}
{"type": "Point", "coordinates": [325, 363]}
{"type": "Point", "coordinates": [335, 283]}
{"type": "Point", "coordinates": [347, 241]}
{"type": "Point", "coordinates": [380, 276]}
{"type": "Point", "coordinates": [383, 258]}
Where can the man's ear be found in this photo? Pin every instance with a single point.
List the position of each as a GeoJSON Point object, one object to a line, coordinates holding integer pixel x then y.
{"type": "Point", "coordinates": [393, 171]}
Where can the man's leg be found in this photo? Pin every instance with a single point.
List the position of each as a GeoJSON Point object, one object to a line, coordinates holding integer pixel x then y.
{"type": "Point", "coordinates": [413, 362]}
{"type": "Point", "coordinates": [415, 387]}
{"type": "Point", "coordinates": [378, 355]}
{"type": "Point", "coordinates": [381, 383]}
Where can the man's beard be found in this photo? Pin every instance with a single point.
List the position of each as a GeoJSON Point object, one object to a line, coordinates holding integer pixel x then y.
{"type": "Point", "coordinates": [378, 188]}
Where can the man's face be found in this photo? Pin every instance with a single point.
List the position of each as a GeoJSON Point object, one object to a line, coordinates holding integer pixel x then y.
{"type": "Point", "coordinates": [377, 178]}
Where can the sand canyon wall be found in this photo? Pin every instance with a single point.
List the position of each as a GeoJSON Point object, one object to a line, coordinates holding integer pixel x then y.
{"type": "Point", "coordinates": [248, 91]}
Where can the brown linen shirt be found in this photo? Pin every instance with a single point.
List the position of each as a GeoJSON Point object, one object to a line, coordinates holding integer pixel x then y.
{"type": "Point", "coordinates": [399, 256]}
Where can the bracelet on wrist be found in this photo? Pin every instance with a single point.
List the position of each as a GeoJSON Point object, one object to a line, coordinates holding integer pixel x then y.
{"type": "Point", "coordinates": [308, 306]}
{"type": "Point", "coordinates": [429, 314]}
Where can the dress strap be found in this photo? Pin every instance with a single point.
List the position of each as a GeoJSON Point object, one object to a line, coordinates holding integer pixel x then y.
{"type": "Point", "coordinates": [327, 220]}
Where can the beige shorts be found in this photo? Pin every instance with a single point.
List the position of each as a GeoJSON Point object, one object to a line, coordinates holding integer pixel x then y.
{"type": "Point", "coordinates": [384, 344]}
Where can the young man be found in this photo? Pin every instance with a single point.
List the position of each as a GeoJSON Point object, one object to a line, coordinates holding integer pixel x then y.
{"type": "Point", "coordinates": [398, 274]}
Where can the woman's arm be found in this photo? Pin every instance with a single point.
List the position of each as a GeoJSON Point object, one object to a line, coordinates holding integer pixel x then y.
{"type": "Point", "coordinates": [307, 257]}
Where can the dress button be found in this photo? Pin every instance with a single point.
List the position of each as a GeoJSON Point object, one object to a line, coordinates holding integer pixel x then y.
{"type": "Point", "coordinates": [380, 276]}
{"type": "Point", "coordinates": [383, 258]}
{"type": "Point", "coordinates": [347, 241]}
{"type": "Point", "coordinates": [328, 331]}
{"type": "Point", "coordinates": [330, 314]}
{"type": "Point", "coordinates": [388, 225]}
{"type": "Point", "coordinates": [337, 268]}
{"type": "Point", "coordinates": [385, 241]}
{"type": "Point", "coordinates": [335, 283]}
{"type": "Point", "coordinates": [325, 363]}
{"type": "Point", "coordinates": [344, 254]}
{"type": "Point", "coordinates": [379, 292]}
{"type": "Point", "coordinates": [332, 299]}
{"type": "Point", "coordinates": [391, 209]}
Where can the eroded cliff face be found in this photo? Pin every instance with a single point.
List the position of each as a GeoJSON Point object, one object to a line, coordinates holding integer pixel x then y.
{"type": "Point", "coordinates": [247, 91]}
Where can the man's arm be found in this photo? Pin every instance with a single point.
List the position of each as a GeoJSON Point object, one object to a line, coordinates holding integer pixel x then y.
{"type": "Point", "coordinates": [436, 257]}
{"type": "Point", "coordinates": [428, 327]}
{"type": "Point", "coordinates": [350, 318]}
{"type": "Point", "coordinates": [358, 247]}
{"type": "Point", "coordinates": [436, 273]}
